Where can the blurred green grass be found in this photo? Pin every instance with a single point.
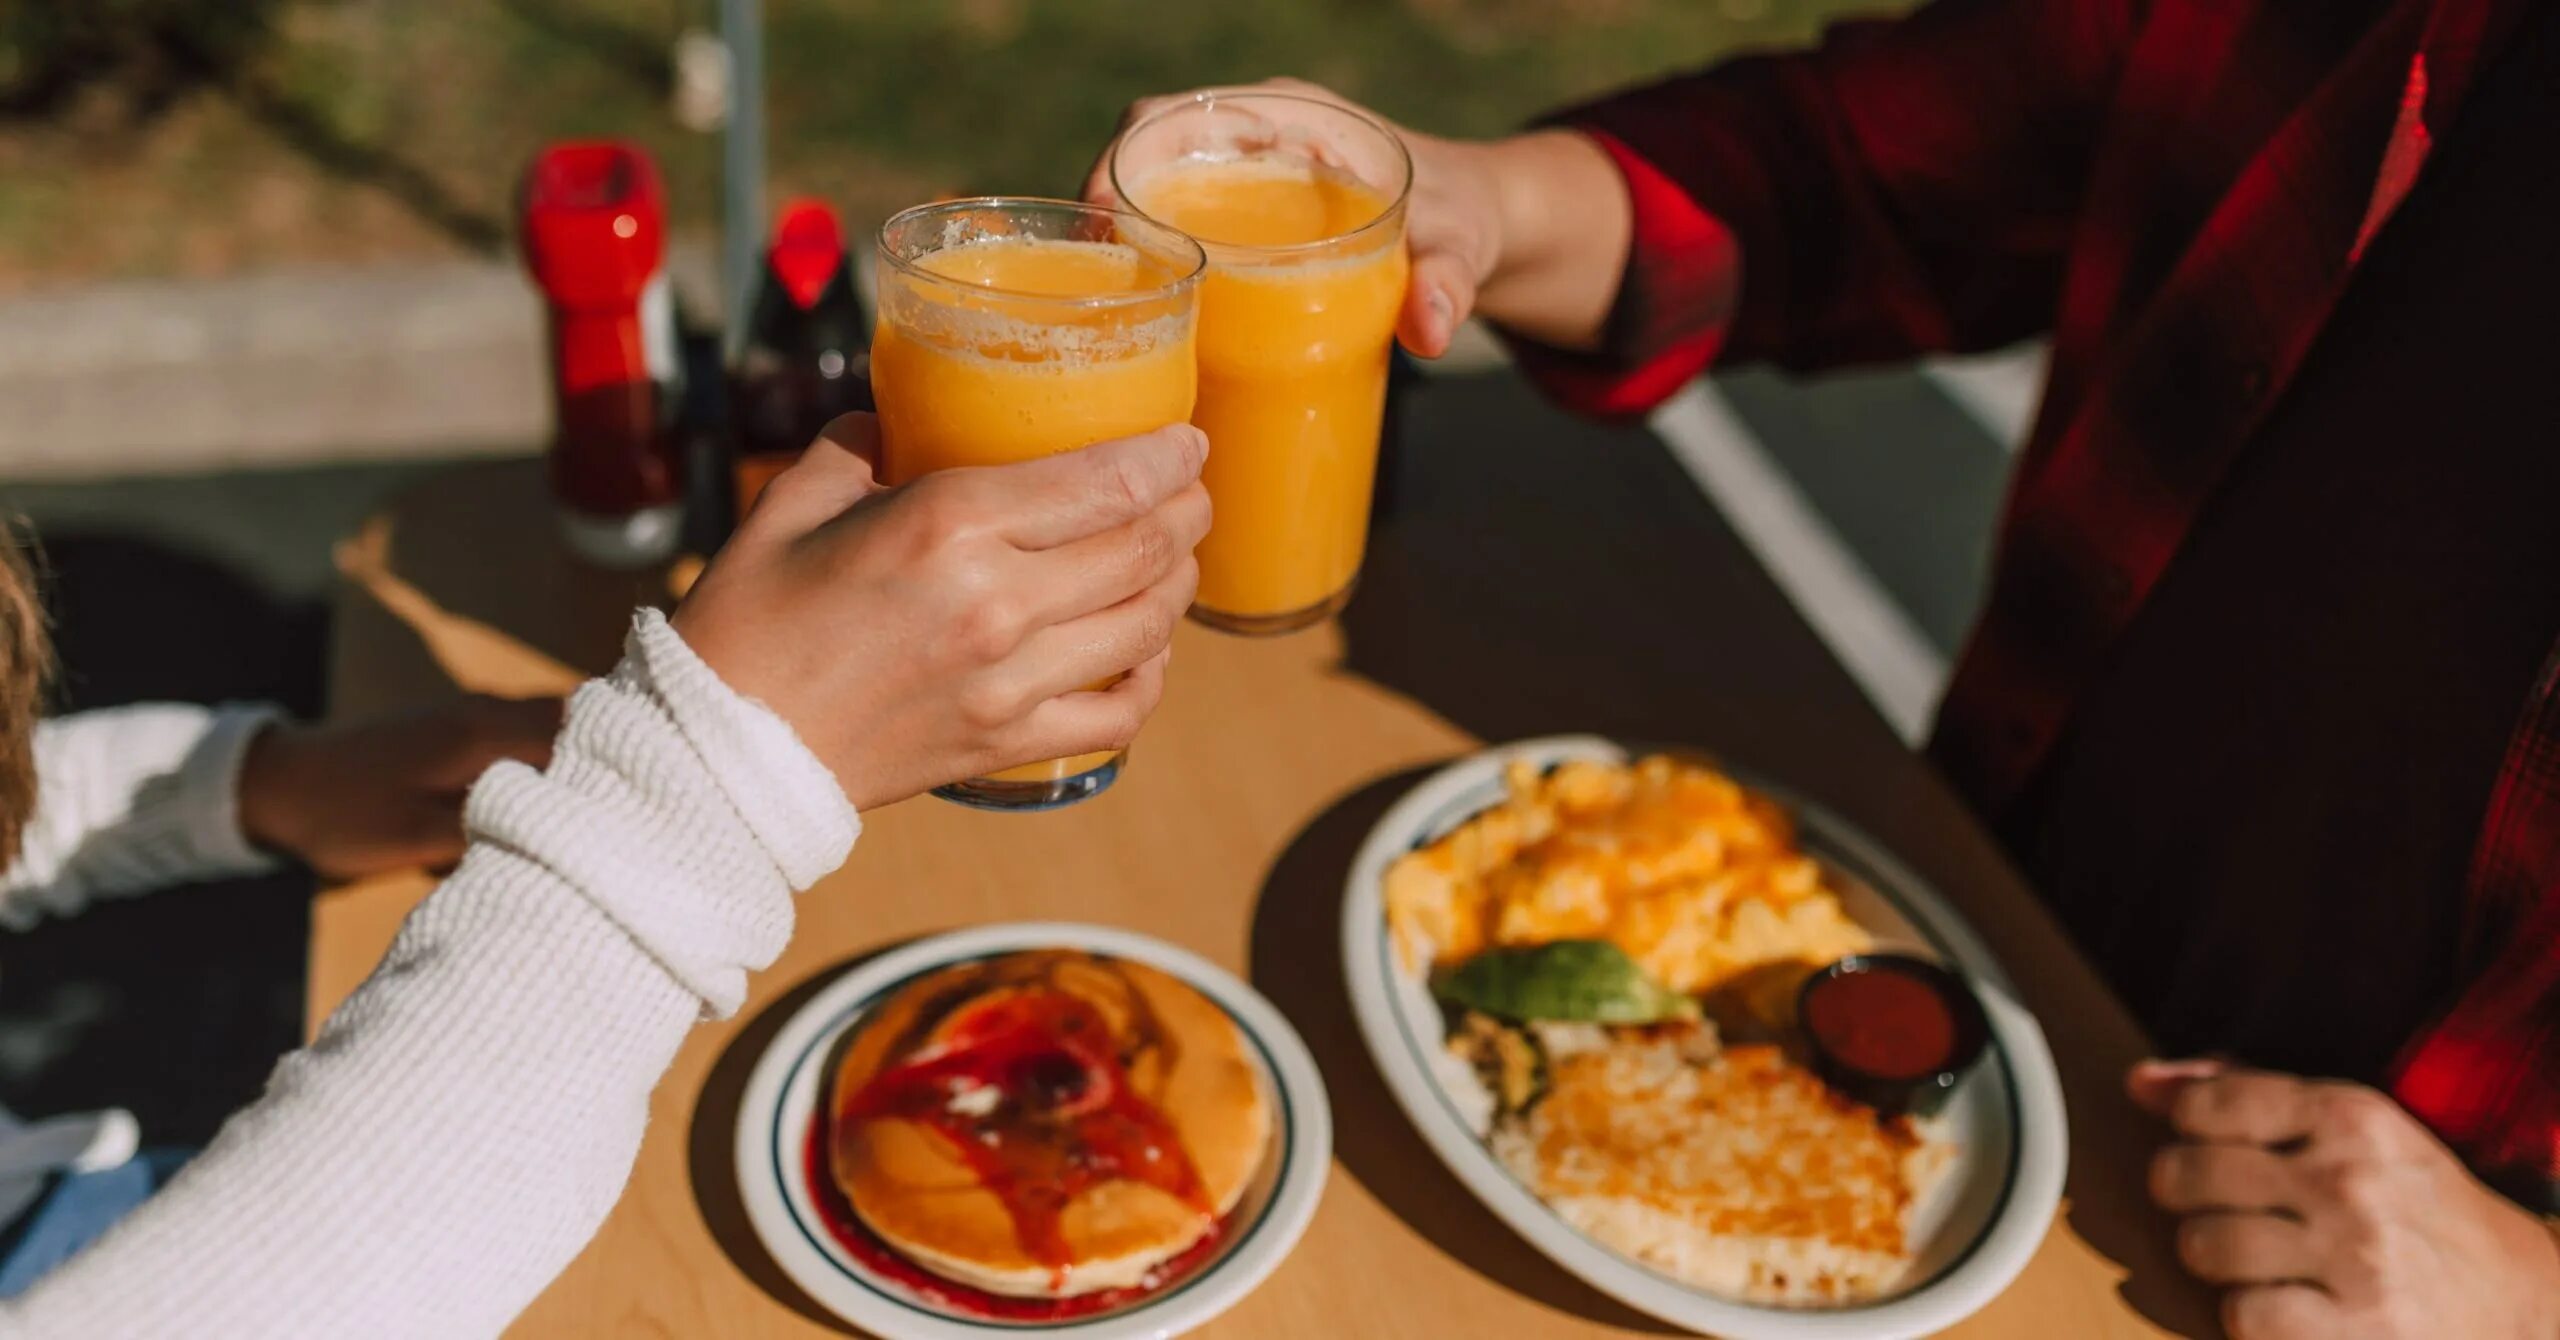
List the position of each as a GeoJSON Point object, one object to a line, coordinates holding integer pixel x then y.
{"type": "Point", "coordinates": [378, 129]}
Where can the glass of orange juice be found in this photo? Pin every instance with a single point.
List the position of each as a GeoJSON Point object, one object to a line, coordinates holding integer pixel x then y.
{"type": "Point", "coordinates": [1011, 329]}
{"type": "Point", "coordinates": [1300, 204]}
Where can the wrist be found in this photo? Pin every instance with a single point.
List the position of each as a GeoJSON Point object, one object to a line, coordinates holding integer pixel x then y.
{"type": "Point", "coordinates": [799, 803]}
{"type": "Point", "coordinates": [1523, 218]}
{"type": "Point", "coordinates": [1562, 228]}
{"type": "Point", "coordinates": [267, 814]}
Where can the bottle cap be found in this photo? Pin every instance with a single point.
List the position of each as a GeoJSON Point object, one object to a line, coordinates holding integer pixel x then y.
{"type": "Point", "coordinates": [808, 249]}
{"type": "Point", "coordinates": [594, 223]}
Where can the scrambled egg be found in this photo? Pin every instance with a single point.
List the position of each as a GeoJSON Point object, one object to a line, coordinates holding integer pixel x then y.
{"type": "Point", "coordinates": [1695, 878]}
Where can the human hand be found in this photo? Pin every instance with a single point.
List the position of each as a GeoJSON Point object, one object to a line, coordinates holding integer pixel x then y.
{"type": "Point", "coordinates": [385, 794]}
{"type": "Point", "coordinates": [950, 627]}
{"type": "Point", "coordinates": [1454, 219]}
{"type": "Point", "coordinates": [2329, 1213]}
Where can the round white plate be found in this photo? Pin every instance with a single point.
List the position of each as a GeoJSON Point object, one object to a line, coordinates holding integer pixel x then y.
{"type": "Point", "coordinates": [1975, 1231]}
{"type": "Point", "coordinates": [790, 1080]}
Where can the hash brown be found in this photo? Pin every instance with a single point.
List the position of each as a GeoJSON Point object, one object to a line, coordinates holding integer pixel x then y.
{"type": "Point", "coordinates": [1731, 1169]}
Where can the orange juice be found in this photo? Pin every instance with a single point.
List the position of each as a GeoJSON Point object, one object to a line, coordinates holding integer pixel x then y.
{"type": "Point", "coordinates": [1307, 272]}
{"type": "Point", "coordinates": [974, 381]}
{"type": "Point", "coordinates": [1009, 348]}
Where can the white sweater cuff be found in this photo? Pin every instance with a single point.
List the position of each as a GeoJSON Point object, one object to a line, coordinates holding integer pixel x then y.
{"type": "Point", "coordinates": [210, 779]}
{"type": "Point", "coordinates": [670, 879]}
{"type": "Point", "coordinates": [788, 798]}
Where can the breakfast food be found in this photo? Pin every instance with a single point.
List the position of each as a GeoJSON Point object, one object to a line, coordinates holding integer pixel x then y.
{"type": "Point", "coordinates": [1584, 936]}
{"type": "Point", "coordinates": [1046, 1124]}
{"type": "Point", "coordinates": [1696, 879]}
{"type": "Point", "coordinates": [1733, 1169]}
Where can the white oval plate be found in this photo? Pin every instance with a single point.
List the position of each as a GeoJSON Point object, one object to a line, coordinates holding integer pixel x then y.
{"type": "Point", "coordinates": [783, 1095]}
{"type": "Point", "coordinates": [1976, 1230]}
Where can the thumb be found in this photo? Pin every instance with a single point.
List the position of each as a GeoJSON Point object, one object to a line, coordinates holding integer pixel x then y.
{"type": "Point", "coordinates": [2154, 1084]}
{"type": "Point", "coordinates": [837, 471]}
{"type": "Point", "coordinates": [1440, 294]}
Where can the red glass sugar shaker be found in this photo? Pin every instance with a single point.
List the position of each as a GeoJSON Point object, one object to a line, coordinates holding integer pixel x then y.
{"type": "Point", "coordinates": [595, 236]}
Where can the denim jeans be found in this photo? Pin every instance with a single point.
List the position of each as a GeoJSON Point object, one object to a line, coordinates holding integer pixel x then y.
{"type": "Point", "coordinates": [74, 1211]}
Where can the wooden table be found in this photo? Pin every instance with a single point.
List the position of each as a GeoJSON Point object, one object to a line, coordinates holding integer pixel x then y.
{"type": "Point", "coordinates": [1535, 575]}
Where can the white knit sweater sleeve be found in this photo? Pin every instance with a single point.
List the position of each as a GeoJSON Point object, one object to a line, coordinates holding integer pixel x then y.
{"type": "Point", "coordinates": [131, 799]}
{"type": "Point", "coordinates": [465, 1120]}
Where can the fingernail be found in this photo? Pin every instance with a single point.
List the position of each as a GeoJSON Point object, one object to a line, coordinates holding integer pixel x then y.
{"type": "Point", "coordinates": [1443, 310]}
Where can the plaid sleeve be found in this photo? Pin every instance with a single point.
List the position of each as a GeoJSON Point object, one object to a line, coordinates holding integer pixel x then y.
{"type": "Point", "coordinates": [1907, 187]}
{"type": "Point", "coordinates": [1671, 311]}
{"type": "Point", "coordinates": [2486, 1076]}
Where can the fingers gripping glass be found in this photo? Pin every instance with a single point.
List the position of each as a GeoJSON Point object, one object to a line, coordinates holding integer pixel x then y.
{"type": "Point", "coordinates": [1012, 329]}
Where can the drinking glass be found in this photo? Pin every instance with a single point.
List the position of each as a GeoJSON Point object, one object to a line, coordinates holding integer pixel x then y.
{"type": "Point", "coordinates": [1300, 204]}
{"type": "Point", "coordinates": [1015, 328]}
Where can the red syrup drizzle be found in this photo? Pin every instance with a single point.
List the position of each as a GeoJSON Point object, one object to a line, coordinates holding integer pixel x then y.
{"type": "Point", "coordinates": [1028, 1085]}
{"type": "Point", "coordinates": [865, 1246]}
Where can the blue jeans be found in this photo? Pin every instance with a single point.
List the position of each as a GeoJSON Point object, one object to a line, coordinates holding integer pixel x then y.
{"type": "Point", "coordinates": [74, 1211]}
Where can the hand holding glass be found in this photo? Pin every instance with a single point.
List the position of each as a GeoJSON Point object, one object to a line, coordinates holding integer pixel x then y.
{"type": "Point", "coordinates": [1012, 329]}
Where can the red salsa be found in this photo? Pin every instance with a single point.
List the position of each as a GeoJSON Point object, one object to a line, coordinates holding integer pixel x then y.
{"type": "Point", "coordinates": [1881, 1021]}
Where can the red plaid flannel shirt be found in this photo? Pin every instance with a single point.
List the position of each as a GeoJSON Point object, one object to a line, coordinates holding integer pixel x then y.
{"type": "Point", "coordinates": [2176, 191]}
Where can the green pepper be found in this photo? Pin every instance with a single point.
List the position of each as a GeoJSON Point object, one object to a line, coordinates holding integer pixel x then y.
{"type": "Point", "coordinates": [1584, 981]}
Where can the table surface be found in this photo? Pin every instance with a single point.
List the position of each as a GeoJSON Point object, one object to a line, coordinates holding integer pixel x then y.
{"type": "Point", "coordinates": [1531, 575]}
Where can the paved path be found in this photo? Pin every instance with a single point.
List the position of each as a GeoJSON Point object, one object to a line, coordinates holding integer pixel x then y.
{"type": "Point", "coordinates": [269, 371]}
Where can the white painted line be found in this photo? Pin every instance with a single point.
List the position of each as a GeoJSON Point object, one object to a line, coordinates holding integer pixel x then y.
{"type": "Point", "coordinates": [1883, 650]}
{"type": "Point", "coordinates": [1999, 390]}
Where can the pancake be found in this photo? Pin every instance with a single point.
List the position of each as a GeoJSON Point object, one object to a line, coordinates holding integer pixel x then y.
{"type": "Point", "coordinates": [1047, 1123]}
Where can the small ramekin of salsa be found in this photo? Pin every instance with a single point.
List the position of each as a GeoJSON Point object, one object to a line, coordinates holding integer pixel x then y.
{"type": "Point", "coordinates": [1891, 1031]}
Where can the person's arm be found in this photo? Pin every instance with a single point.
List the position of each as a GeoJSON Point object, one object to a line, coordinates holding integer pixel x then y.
{"type": "Point", "coordinates": [130, 799]}
{"type": "Point", "coordinates": [1908, 187]}
{"type": "Point", "coordinates": [2324, 1208]}
{"type": "Point", "coordinates": [1567, 223]}
{"type": "Point", "coordinates": [466, 1119]}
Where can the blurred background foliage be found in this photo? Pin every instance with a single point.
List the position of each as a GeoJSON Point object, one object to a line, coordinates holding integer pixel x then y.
{"type": "Point", "coordinates": [197, 137]}
{"type": "Point", "coordinates": [152, 50]}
